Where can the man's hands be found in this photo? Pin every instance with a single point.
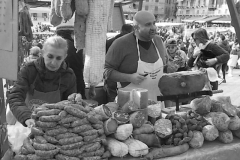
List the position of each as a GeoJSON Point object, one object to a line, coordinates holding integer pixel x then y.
{"type": "Point", "coordinates": [136, 78]}
{"type": "Point", "coordinates": [211, 62]}
{"type": "Point", "coordinates": [29, 123]}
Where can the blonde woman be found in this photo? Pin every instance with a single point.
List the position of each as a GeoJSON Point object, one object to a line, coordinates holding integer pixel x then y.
{"type": "Point", "coordinates": [45, 80]}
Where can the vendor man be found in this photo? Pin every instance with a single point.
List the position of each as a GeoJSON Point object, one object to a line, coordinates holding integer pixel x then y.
{"type": "Point", "coordinates": [137, 59]}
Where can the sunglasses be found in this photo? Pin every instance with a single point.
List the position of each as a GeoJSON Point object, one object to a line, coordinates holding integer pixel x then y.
{"type": "Point", "coordinates": [171, 47]}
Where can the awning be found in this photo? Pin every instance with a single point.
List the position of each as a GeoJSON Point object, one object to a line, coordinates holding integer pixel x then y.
{"type": "Point", "coordinates": [208, 19]}
{"type": "Point", "coordinates": [40, 10]}
{"type": "Point", "coordinates": [222, 20]}
{"type": "Point", "coordinates": [193, 19]}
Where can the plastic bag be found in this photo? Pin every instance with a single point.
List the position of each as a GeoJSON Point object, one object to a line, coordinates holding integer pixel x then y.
{"type": "Point", "coordinates": [16, 135]}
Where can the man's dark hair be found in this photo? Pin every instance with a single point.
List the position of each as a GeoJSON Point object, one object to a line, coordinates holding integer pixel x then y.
{"type": "Point", "coordinates": [126, 28]}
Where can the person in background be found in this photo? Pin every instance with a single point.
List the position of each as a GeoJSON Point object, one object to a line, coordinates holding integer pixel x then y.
{"type": "Point", "coordinates": [33, 54]}
{"type": "Point", "coordinates": [225, 45]}
{"type": "Point", "coordinates": [234, 56]}
{"type": "Point", "coordinates": [206, 46]}
{"type": "Point", "coordinates": [74, 59]}
{"type": "Point", "coordinates": [191, 48]}
{"type": "Point", "coordinates": [177, 58]}
{"type": "Point", "coordinates": [137, 60]}
{"type": "Point", "coordinates": [111, 86]}
{"type": "Point", "coordinates": [45, 80]}
{"type": "Point", "coordinates": [126, 28]}
{"type": "Point", "coordinates": [182, 45]}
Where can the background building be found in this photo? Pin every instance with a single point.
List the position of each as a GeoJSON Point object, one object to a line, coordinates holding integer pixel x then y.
{"type": "Point", "coordinates": [164, 10]}
{"type": "Point", "coordinates": [201, 8]}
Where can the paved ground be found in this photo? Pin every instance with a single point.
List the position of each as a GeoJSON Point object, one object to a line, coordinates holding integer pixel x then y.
{"type": "Point", "coordinates": [232, 87]}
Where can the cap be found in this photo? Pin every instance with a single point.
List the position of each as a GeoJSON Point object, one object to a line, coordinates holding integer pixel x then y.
{"type": "Point", "coordinates": [65, 27]}
{"type": "Point", "coordinates": [212, 74]}
{"type": "Point", "coordinates": [171, 42]}
{"type": "Point", "coordinates": [69, 25]}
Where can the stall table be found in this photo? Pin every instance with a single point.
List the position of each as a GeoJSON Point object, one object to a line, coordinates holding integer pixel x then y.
{"type": "Point", "coordinates": [210, 151]}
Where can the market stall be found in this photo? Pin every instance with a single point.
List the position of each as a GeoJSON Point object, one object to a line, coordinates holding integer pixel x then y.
{"type": "Point", "coordinates": [134, 127]}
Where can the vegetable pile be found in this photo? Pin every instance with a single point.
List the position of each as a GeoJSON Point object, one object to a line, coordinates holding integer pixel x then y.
{"type": "Point", "coordinates": [65, 130]}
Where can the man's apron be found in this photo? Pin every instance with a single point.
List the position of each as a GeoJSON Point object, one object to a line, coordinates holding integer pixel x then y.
{"type": "Point", "coordinates": [37, 98]}
{"type": "Point", "coordinates": [154, 71]}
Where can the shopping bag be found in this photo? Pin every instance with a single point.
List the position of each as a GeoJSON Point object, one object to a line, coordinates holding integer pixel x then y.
{"type": "Point", "coordinates": [16, 135]}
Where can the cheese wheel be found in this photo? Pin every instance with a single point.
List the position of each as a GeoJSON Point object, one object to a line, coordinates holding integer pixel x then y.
{"type": "Point", "coordinates": [139, 96]}
{"type": "Point", "coordinates": [182, 82]}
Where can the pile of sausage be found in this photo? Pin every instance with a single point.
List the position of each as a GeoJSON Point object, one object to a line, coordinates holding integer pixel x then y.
{"type": "Point", "coordinates": [65, 130]}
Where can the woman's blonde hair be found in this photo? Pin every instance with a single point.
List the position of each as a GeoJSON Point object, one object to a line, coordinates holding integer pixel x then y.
{"type": "Point", "coordinates": [56, 42]}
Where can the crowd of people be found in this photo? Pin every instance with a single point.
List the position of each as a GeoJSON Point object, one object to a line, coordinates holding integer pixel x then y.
{"type": "Point", "coordinates": [42, 28]}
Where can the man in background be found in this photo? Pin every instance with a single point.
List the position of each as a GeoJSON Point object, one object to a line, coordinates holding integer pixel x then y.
{"type": "Point", "coordinates": [111, 86]}
{"type": "Point", "coordinates": [126, 28]}
{"type": "Point", "coordinates": [74, 59]}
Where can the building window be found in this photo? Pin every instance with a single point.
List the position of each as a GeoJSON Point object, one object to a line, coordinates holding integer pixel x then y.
{"type": "Point", "coordinates": [147, 0]}
{"type": "Point", "coordinates": [44, 15]}
{"type": "Point", "coordinates": [34, 15]}
{"type": "Point", "coordinates": [226, 11]}
{"type": "Point", "coordinates": [197, 11]}
{"type": "Point", "coordinates": [156, 0]}
{"type": "Point", "coordinates": [156, 8]}
{"type": "Point", "coordinates": [146, 8]}
{"type": "Point", "coordinates": [203, 11]}
{"type": "Point", "coordinates": [219, 11]}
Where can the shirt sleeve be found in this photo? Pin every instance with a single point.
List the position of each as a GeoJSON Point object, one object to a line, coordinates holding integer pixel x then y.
{"type": "Point", "coordinates": [113, 59]}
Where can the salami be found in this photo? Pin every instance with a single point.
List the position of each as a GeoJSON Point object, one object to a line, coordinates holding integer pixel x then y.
{"type": "Point", "coordinates": [52, 118]}
{"type": "Point", "coordinates": [55, 132]}
{"type": "Point", "coordinates": [75, 112]}
{"type": "Point", "coordinates": [82, 128]}
{"type": "Point", "coordinates": [45, 124]}
{"type": "Point", "coordinates": [70, 140]}
{"type": "Point", "coordinates": [44, 147]}
{"type": "Point", "coordinates": [40, 139]}
{"type": "Point", "coordinates": [50, 139]}
{"type": "Point", "coordinates": [79, 122]}
{"type": "Point", "coordinates": [48, 112]}
{"type": "Point", "coordinates": [66, 135]}
{"type": "Point", "coordinates": [138, 118]}
{"type": "Point", "coordinates": [72, 152]}
{"type": "Point", "coordinates": [72, 146]}
{"type": "Point", "coordinates": [50, 153]}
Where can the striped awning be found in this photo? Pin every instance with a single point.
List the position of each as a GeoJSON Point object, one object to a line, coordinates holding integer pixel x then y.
{"type": "Point", "coordinates": [208, 19]}
{"type": "Point", "coordinates": [193, 19]}
{"type": "Point", "coordinates": [226, 19]}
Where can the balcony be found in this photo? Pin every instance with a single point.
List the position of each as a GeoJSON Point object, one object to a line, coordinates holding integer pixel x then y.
{"type": "Point", "coordinates": [212, 7]}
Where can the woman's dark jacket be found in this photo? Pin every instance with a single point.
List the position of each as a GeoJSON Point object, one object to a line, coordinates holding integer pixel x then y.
{"type": "Point", "coordinates": [218, 52]}
{"type": "Point", "coordinates": [48, 81]}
